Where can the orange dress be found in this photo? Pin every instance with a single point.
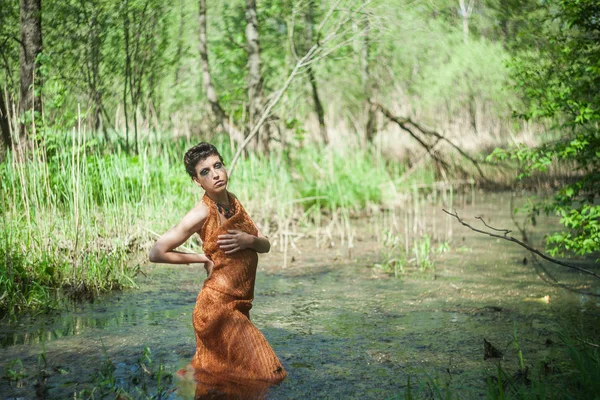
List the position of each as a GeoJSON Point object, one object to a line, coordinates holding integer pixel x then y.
{"type": "Point", "coordinates": [229, 348]}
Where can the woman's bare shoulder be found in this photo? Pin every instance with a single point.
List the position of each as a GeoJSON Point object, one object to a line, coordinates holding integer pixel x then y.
{"type": "Point", "coordinates": [196, 216]}
{"type": "Point", "coordinates": [200, 209]}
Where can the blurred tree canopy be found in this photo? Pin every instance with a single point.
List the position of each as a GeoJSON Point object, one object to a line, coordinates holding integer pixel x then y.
{"type": "Point", "coordinates": [132, 64]}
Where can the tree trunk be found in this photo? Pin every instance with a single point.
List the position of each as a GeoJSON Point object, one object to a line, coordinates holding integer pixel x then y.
{"type": "Point", "coordinates": [465, 20]}
{"type": "Point", "coordinates": [370, 128]}
{"type": "Point", "coordinates": [31, 47]}
{"type": "Point", "coordinates": [95, 78]}
{"type": "Point", "coordinates": [179, 49]}
{"type": "Point", "coordinates": [153, 78]}
{"type": "Point", "coordinates": [311, 75]}
{"type": "Point", "coordinates": [222, 119]}
{"type": "Point", "coordinates": [255, 100]}
{"type": "Point", "coordinates": [465, 13]}
{"type": "Point", "coordinates": [209, 89]}
{"type": "Point", "coordinates": [127, 71]}
{"type": "Point", "coordinates": [4, 123]}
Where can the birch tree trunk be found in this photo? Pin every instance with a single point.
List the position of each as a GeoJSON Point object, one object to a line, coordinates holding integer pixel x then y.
{"type": "Point", "coordinates": [179, 50]}
{"type": "Point", "coordinates": [31, 47]}
{"type": "Point", "coordinates": [255, 81]}
{"type": "Point", "coordinates": [125, 10]}
{"type": "Point", "coordinates": [465, 13]}
{"type": "Point", "coordinates": [220, 115]}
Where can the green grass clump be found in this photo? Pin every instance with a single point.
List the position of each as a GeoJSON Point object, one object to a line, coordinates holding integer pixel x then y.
{"type": "Point", "coordinates": [23, 287]}
{"type": "Point", "coordinates": [334, 179]}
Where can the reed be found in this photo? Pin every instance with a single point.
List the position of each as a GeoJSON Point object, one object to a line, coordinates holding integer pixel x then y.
{"type": "Point", "coordinates": [79, 214]}
{"type": "Point", "coordinates": [410, 233]}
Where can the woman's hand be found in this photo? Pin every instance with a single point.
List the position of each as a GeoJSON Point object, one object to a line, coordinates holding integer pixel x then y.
{"type": "Point", "coordinates": [235, 240]}
{"type": "Point", "coordinates": [209, 266]}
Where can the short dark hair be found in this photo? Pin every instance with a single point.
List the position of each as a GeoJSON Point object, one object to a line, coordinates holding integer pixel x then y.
{"type": "Point", "coordinates": [199, 152]}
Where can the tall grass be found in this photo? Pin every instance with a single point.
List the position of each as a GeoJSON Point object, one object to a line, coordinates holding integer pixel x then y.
{"type": "Point", "coordinates": [74, 216]}
{"type": "Point", "coordinates": [80, 215]}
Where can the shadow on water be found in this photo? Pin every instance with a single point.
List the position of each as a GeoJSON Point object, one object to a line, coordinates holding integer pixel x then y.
{"type": "Point", "coordinates": [341, 328]}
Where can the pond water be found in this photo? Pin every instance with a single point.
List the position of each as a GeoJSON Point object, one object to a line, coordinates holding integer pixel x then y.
{"type": "Point", "coordinates": [341, 327]}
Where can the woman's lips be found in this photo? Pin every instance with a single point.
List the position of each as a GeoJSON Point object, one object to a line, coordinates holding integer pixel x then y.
{"type": "Point", "coordinates": [219, 183]}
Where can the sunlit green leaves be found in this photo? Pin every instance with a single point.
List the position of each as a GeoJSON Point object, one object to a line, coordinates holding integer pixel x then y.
{"type": "Point", "coordinates": [584, 235]}
{"type": "Point", "coordinates": [562, 80]}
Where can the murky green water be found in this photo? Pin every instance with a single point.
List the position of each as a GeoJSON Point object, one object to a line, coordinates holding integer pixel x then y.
{"type": "Point", "coordinates": [341, 328]}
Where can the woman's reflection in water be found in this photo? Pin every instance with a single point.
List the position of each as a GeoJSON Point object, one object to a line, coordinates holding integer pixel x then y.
{"type": "Point", "coordinates": [203, 386]}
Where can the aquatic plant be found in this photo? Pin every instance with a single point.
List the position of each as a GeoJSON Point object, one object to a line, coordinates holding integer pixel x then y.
{"type": "Point", "coordinates": [147, 375]}
{"type": "Point", "coordinates": [422, 251]}
{"type": "Point", "coordinates": [41, 375]}
{"type": "Point", "coordinates": [23, 287]}
{"type": "Point", "coordinates": [443, 247]}
{"type": "Point", "coordinates": [149, 380]}
{"type": "Point", "coordinates": [392, 255]}
{"type": "Point", "coordinates": [429, 388]}
{"type": "Point", "coordinates": [14, 371]}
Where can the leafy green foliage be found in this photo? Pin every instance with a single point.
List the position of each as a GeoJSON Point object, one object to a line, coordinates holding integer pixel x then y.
{"type": "Point", "coordinates": [24, 286]}
{"type": "Point", "coordinates": [463, 74]}
{"type": "Point", "coordinates": [562, 80]}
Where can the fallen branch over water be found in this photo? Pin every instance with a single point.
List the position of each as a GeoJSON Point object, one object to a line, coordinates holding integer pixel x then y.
{"type": "Point", "coordinates": [410, 126]}
{"type": "Point", "coordinates": [517, 241]}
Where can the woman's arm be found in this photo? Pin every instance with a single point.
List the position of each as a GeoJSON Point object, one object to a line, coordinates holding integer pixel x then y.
{"type": "Point", "coordinates": [162, 251]}
{"type": "Point", "coordinates": [261, 243]}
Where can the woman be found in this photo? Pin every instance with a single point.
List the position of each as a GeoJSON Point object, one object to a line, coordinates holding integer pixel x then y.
{"type": "Point", "coordinates": [229, 348]}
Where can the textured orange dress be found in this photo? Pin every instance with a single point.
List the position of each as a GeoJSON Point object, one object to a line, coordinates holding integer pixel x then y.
{"type": "Point", "coordinates": [229, 348]}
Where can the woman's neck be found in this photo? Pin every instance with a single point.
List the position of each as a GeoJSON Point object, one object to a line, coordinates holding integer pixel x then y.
{"type": "Point", "coordinates": [220, 198]}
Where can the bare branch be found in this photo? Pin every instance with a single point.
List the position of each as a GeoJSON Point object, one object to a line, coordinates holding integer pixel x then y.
{"type": "Point", "coordinates": [291, 34]}
{"type": "Point", "coordinates": [506, 231]}
{"type": "Point", "coordinates": [551, 280]}
{"type": "Point", "coordinates": [268, 109]}
{"type": "Point", "coordinates": [517, 241]}
{"type": "Point", "coordinates": [406, 123]}
{"type": "Point", "coordinates": [328, 16]}
{"type": "Point", "coordinates": [401, 122]}
{"type": "Point", "coordinates": [315, 53]}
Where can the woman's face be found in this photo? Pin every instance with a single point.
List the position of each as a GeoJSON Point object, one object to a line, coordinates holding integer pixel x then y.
{"type": "Point", "coordinates": [211, 174]}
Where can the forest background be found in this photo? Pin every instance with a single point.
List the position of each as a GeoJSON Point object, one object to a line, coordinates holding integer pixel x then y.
{"type": "Point", "coordinates": [340, 104]}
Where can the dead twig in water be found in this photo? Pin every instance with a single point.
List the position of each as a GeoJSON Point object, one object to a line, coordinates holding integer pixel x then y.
{"type": "Point", "coordinates": [517, 241]}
